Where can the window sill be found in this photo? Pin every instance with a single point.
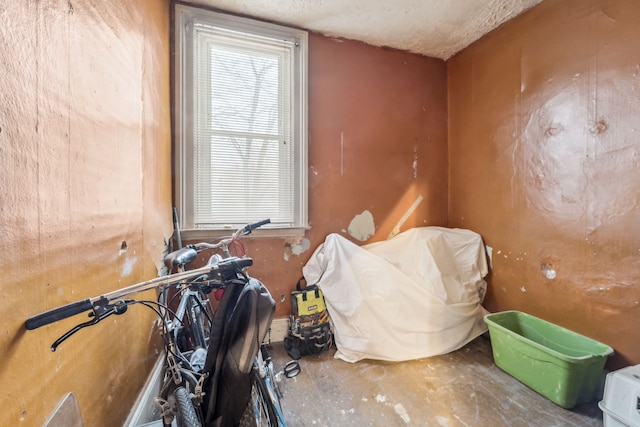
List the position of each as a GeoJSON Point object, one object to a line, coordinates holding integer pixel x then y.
{"type": "Point", "coordinates": [271, 233]}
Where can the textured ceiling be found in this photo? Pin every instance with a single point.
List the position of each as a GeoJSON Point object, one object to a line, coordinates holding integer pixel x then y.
{"type": "Point", "coordinates": [437, 28]}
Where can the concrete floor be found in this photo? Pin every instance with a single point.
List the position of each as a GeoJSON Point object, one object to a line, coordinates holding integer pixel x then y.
{"type": "Point", "coordinates": [463, 388]}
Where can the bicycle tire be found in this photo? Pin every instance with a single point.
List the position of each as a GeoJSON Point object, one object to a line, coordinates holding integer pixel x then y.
{"type": "Point", "coordinates": [262, 409]}
{"type": "Point", "coordinates": [186, 415]}
{"type": "Point", "coordinates": [168, 392]}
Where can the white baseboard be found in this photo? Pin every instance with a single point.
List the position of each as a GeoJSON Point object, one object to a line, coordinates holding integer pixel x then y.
{"type": "Point", "coordinates": [279, 329]}
{"type": "Point", "coordinates": [142, 410]}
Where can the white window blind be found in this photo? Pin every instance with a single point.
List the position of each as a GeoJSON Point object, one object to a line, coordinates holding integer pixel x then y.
{"type": "Point", "coordinates": [242, 123]}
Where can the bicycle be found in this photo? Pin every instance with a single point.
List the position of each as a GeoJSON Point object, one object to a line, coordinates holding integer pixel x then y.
{"type": "Point", "coordinates": [264, 405]}
{"type": "Point", "coordinates": [188, 383]}
{"type": "Point", "coordinates": [233, 364]}
{"type": "Point", "coordinates": [185, 332]}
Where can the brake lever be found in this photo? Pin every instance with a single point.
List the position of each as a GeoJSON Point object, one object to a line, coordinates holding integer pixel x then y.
{"type": "Point", "coordinates": [119, 307]}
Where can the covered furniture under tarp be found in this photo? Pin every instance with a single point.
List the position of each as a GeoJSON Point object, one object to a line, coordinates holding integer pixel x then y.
{"type": "Point", "coordinates": [416, 295]}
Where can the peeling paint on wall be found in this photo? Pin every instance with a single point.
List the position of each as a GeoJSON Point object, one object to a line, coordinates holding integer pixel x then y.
{"type": "Point", "coordinates": [296, 247]}
{"type": "Point", "coordinates": [406, 216]}
{"type": "Point", "coordinates": [400, 410]}
{"type": "Point", "coordinates": [415, 161]}
{"type": "Point", "coordinates": [341, 153]}
{"type": "Point", "coordinates": [162, 269]}
{"type": "Point", "coordinates": [548, 271]}
{"type": "Point", "coordinates": [128, 266]}
{"type": "Point", "coordinates": [362, 226]}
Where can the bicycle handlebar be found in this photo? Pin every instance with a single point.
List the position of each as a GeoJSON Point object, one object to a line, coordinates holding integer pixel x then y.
{"type": "Point", "coordinates": [58, 313]}
{"type": "Point", "coordinates": [247, 229]}
{"type": "Point", "coordinates": [223, 243]}
{"type": "Point", "coordinates": [101, 302]}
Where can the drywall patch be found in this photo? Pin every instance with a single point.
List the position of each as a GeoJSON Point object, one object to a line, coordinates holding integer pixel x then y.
{"type": "Point", "coordinates": [296, 247]}
{"type": "Point", "coordinates": [362, 226]}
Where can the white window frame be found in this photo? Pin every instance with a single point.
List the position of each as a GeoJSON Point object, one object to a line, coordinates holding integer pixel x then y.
{"type": "Point", "coordinates": [185, 17]}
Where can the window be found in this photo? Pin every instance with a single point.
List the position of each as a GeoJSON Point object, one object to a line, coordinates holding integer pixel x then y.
{"type": "Point", "coordinates": [241, 137]}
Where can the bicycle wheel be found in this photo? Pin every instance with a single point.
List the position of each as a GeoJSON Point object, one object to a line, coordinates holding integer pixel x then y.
{"type": "Point", "coordinates": [174, 397]}
{"type": "Point", "coordinates": [186, 415]}
{"type": "Point", "coordinates": [275, 394]}
{"type": "Point", "coordinates": [261, 411]}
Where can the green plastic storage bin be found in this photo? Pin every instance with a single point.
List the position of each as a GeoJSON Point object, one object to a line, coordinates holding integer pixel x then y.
{"type": "Point", "coordinates": [560, 364]}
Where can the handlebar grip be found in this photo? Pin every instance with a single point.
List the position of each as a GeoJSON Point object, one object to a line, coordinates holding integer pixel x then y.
{"type": "Point", "coordinates": [250, 227]}
{"type": "Point", "coordinates": [58, 313]}
{"type": "Point", "coordinates": [234, 264]}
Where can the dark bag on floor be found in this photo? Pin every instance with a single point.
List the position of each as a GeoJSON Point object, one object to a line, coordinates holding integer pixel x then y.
{"type": "Point", "coordinates": [309, 325]}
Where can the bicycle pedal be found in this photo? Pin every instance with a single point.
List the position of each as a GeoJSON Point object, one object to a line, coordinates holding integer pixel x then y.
{"type": "Point", "coordinates": [291, 369]}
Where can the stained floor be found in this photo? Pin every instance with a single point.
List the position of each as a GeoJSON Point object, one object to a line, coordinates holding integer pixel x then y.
{"type": "Point", "coordinates": [463, 388]}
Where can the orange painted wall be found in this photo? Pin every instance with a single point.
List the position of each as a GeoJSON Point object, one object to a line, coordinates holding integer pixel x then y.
{"type": "Point", "coordinates": [85, 154]}
{"type": "Point", "coordinates": [543, 152]}
{"type": "Point", "coordinates": [377, 141]}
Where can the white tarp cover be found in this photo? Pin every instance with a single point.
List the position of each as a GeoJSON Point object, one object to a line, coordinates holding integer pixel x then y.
{"type": "Point", "coordinates": [416, 295]}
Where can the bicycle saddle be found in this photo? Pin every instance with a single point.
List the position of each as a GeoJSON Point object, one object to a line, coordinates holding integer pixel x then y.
{"type": "Point", "coordinates": [180, 257]}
